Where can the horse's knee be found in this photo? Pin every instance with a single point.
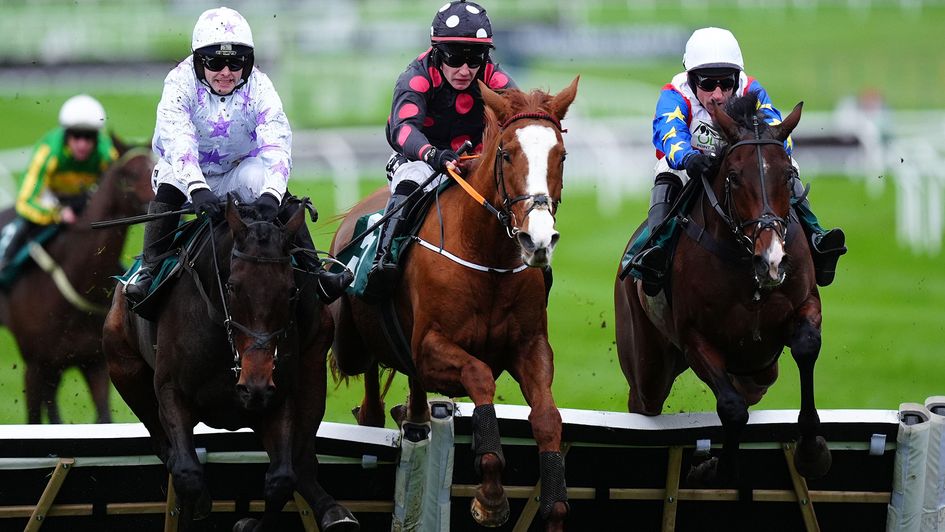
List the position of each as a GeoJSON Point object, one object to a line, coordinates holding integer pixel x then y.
{"type": "Point", "coordinates": [279, 486]}
{"type": "Point", "coordinates": [732, 410]}
{"type": "Point", "coordinates": [805, 345]}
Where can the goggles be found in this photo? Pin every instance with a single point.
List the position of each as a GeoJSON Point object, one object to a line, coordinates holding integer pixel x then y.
{"type": "Point", "coordinates": [708, 84]}
{"type": "Point", "coordinates": [457, 57]}
{"type": "Point", "coordinates": [84, 134]}
{"type": "Point", "coordinates": [216, 63]}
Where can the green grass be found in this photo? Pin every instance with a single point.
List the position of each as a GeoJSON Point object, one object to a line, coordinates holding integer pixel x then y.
{"type": "Point", "coordinates": [883, 320]}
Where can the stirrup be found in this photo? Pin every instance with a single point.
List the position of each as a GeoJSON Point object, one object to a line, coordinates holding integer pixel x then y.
{"type": "Point", "coordinates": [139, 285]}
{"type": "Point", "coordinates": [828, 248]}
{"type": "Point", "coordinates": [332, 285]}
{"type": "Point", "coordinates": [651, 263]}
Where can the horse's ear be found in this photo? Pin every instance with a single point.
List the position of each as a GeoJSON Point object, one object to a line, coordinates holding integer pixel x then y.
{"type": "Point", "coordinates": [295, 222]}
{"type": "Point", "coordinates": [783, 130]}
{"type": "Point", "coordinates": [233, 218]}
{"type": "Point", "coordinates": [562, 101]}
{"type": "Point", "coordinates": [499, 105]}
{"type": "Point", "coordinates": [727, 126]}
{"type": "Point", "coordinates": [120, 146]}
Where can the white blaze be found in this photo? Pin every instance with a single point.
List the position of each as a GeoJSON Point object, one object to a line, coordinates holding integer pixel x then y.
{"type": "Point", "coordinates": [536, 142]}
{"type": "Point", "coordinates": [775, 256]}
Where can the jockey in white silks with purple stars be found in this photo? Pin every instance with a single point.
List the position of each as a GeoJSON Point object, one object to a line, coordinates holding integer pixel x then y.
{"type": "Point", "coordinates": [220, 129]}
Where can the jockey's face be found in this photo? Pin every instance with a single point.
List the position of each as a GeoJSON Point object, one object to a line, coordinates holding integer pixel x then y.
{"type": "Point", "coordinates": [460, 77]}
{"type": "Point", "coordinates": [715, 89]}
{"type": "Point", "coordinates": [81, 144]}
{"type": "Point", "coordinates": [224, 81]}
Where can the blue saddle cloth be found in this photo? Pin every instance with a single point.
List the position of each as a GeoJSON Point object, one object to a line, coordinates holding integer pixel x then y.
{"type": "Point", "coordinates": [22, 257]}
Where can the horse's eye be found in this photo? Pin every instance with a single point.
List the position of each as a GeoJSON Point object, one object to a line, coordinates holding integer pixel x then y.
{"type": "Point", "coordinates": [564, 156]}
{"type": "Point", "coordinates": [506, 157]}
{"type": "Point", "coordinates": [733, 180]}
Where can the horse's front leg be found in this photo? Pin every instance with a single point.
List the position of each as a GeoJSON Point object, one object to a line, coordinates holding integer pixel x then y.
{"type": "Point", "coordinates": [185, 469]}
{"type": "Point", "coordinates": [534, 371]}
{"type": "Point", "coordinates": [276, 431]}
{"type": "Point", "coordinates": [441, 364]}
{"type": "Point", "coordinates": [812, 458]}
{"type": "Point", "coordinates": [708, 363]}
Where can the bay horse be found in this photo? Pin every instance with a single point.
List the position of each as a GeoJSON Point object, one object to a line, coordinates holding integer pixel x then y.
{"type": "Point", "coordinates": [742, 288]}
{"type": "Point", "coordinates": [57, 325]}
{"type": "Point", "coordinates": [241, 342]}
{"type": "Point", "coordinates": [483, 312]}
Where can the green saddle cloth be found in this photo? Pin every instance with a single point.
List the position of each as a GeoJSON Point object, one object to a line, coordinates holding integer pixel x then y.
{"type": "Point", "coordinates": [20, 258]}
{"type": "Point", "coordinates": [359, 259]}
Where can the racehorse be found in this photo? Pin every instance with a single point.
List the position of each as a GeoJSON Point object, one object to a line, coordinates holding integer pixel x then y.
{"type": "Point", "coordinates": [56, 313]}
{"type": "Point", "coordinates": [241, 342]}
{"type": "Point", "coordinates": [742, 288]}
{"type": "Point", "coordinates": [482, 312]}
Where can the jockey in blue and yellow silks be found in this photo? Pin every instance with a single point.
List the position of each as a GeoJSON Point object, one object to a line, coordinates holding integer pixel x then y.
{"type": "Point", "coordinates": [66, 163]}
{"type": "Point", "coordinates": [687, 143]}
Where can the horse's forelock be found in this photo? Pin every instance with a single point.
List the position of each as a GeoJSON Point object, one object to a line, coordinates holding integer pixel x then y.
{"type": "Point", "coordinates": [743, 109]}
{"type": "Point", "coordinates": [536, 101]}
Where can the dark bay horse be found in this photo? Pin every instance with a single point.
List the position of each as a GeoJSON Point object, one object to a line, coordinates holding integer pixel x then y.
{"type": "Point", "coordinates": [56, 317]}
{"type": "Point", "coordinates": [241, 342]}
{"type": "Point", "coordinates": [742, 288]}
{"type": "Point", "coordinates": [467, 323]}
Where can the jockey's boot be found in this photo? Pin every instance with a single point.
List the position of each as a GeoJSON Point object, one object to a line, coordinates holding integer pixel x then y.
{"type": "Point", "coordinates": [157, 241]}
{"type": "Point", "coordinates": [652, 262]}
{"type": "Point", "coordinates": [826, 246]}
{"type": "Point", "coordinates": [22, 229]}
{"type": "Point", "coordinates": [330, 285]}
{"type": "Point", "coordinates": [384, 272]}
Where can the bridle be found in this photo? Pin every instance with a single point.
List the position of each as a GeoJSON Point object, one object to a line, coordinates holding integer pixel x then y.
{"type": "Point", "coordinates": [261, 340]}
{"type": "Point", "coordinates": [768, 219]}
{"type": "Point", "coordinates": [538, 201]}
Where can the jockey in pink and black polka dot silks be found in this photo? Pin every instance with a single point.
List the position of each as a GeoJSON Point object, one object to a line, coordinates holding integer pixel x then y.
{"type": "Point", "coordinates": [436, 107]}
{"type": "Point", "coordinates": [687, 145]}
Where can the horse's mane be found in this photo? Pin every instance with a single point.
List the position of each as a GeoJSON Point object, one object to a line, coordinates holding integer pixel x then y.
{"type": "Point", "coordinates": [743, 109]}
{"type": "Point", "coordinates": [535, 101]}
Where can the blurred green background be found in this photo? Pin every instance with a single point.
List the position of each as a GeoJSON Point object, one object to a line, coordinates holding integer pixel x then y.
{"type": "Point", "coordinates": [883, 318]}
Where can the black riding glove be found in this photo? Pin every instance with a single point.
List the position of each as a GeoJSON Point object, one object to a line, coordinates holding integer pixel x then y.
{"type": "Point", "coordinates": [268, 206]}
{"type": "Point", "coordinates": [699, 165]}
{"type": "Point", "coordinates": [438, 158]}
{"type": "Point", "coordinates": [206, 202]}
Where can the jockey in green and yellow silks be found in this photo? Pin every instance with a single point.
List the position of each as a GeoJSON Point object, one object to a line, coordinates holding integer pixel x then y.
{"type": "Point", "coordinates": [66, 163]}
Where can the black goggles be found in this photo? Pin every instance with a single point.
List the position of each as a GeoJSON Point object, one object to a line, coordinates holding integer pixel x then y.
{"type": "Point", "coordinates": [216, 63]}
{"type": "Point", "coordinates": [456, 58]}
{"type": "Point", "coordinates": [85, 134]}
{"type": "Point", "coordinates": [708, 84]}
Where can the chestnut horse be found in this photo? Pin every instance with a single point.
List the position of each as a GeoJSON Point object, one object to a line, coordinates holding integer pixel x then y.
{"type": "Point", "coordinates": [468, 322]}
{"type": "Point", "coordinates": [742, 288]}
{"type": "Point", "coordinates": [57, 322]}
{"type": "Point", "coordinates": [241, 342]}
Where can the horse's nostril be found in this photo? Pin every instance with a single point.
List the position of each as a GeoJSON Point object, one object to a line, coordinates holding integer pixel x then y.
{"type": "Point", "coordinates": [554, 240]}
{"type": "Point", "coordinates": [242, 390]}
{"type": "Point", "coordinates": [525, 240]}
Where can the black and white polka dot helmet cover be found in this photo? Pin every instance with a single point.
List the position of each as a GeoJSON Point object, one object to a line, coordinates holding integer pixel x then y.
{"type": "Point", "coordinates": [461, 21]}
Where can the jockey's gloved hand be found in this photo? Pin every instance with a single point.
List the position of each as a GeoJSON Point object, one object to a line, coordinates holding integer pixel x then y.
{"type": "Point", "coordinates": [206, 202]}
{"type": "Point", "coordinates": [438, 158]}
{"type": "Point", "coordinates": [268, 206]}
{"type": "Point", "coordinates": [698, 165]}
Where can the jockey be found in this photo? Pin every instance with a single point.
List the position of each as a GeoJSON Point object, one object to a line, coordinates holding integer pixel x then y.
{"type": "Point", "coordinates": [220, 128]}
{"type": "Point", "coordinates": [436, 107]}
{"type": "Point", "coordinates": [686, 144]}
{"type": "Point", "coordinates": [66, 163]}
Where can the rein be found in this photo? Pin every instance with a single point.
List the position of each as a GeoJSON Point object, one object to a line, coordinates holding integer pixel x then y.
{"type": "Point", "coordinates": [768, 219]}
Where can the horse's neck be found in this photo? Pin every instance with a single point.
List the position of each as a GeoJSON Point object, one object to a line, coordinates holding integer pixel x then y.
{"type": "Point", "coordinates": [482, 236]}
{"type": "Point", "coordinates": [87, 249]}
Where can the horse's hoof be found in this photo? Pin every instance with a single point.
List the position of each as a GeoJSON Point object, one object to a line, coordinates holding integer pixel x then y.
{"type": "Point", "coordinates": [246, 524]}
{"type": "Point", "coordinates": [704, 473]}
{"type": "Point", "coordinates": [490, 516]}
{"type": "Point", "coordinates": [338, 519]}
{"type": "Point", "coordinates": [812, 460]}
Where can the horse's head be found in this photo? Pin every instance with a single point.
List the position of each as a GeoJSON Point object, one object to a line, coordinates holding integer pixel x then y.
{"type": "Point", "coordinates": [260, 297]}
{"type": "Point", "coordinates": [523, 132]}
{"type": "Point", "coordinates": [754, 183]}
{"type": "Point", "coordinates": [125, 187]}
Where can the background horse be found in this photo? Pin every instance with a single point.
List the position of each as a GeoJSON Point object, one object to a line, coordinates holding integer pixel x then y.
{"type": "Point", "coordinates": [742, 287]}
{"type": "Point", "coordinates": [55, 331]}
{"type": "Point", "coordinates": [252, 358]}
{"type": "Point", "coordinates": [465, 325]}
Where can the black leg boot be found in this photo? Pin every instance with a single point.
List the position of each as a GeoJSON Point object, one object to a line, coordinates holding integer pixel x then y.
{"type": "Point", "coordinates": [826, 246]}
{"type": "Point", "coordinates": [384, 273]}
{"type": "Point", "coordinates": [330, 285]}
{"type": "Point", "coordinates": [24, 228]}
{"type": "Point", "coordinates": [157, 240]}
{"type": "Point", "coordinates": [652, 261]}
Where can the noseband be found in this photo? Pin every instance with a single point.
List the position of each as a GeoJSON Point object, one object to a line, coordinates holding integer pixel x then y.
{"type": "Point", "coordinates": [768, 219]}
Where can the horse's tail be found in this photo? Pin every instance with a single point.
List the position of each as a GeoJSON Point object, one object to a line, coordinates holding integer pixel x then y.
{"type": "Point", "coordinates": [390, 380]}
{"type": "Point", "coordinates": [336, 374]}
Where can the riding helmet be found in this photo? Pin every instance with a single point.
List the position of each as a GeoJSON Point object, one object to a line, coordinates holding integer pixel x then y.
{"type": "Point", "coordinates": [82, 112]}
{"type": "Point", "coordinates": [222, 32]}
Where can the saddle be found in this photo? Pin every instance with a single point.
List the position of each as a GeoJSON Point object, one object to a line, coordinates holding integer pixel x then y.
{"type": "Point", "coordinates": [21, 257]}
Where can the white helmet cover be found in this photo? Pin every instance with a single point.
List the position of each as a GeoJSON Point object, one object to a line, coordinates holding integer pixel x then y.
{"type": "Point", "coordinates": [221, 25]}
{"type": "Point", "coordinates": [712, 48]}
{"type": "Point", "coordinates": [82, 112]}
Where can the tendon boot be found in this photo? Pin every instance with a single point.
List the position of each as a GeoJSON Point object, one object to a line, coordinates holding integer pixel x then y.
{"type": "Point", "coordinates": [826, 246]}
{"type": "Point", "coordinates": [22, 229]}
{"type": "Point", "coordinates": [384, 272]}
{"type": "Point", "coordinates": [652, 262]}
{"type": "Point", "coordinates": [157, 240]}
